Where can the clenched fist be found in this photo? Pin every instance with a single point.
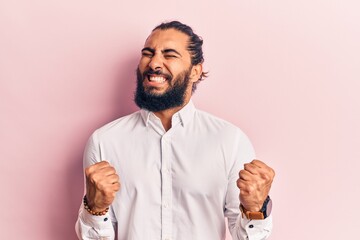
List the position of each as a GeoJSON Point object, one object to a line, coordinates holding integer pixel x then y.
{"type": "Point", "coordinates": [254, 183]}
{"type": "Point", "coordinates": [102, 183]}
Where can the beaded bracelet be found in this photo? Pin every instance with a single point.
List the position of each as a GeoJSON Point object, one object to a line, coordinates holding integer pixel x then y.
{"type": "Point", "coordinates": [86, 206]}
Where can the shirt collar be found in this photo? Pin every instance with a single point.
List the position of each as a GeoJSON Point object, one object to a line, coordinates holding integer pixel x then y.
{"type": "Point", "coordinates": [184, 115]}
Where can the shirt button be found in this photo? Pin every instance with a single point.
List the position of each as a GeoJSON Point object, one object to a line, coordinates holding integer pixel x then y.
{"type": "Point", "coordinates": [251, 226]}
{"type": "Point", "coordinates": [166, 205]}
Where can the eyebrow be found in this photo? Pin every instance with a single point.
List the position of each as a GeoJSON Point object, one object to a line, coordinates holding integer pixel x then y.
{"type": "Point", "coordinates": [168, 50]}
{"type": "Point", "coordinates": [148, 49]}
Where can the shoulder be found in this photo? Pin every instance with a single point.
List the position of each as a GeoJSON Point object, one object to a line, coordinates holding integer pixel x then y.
{"type": "Point", "coordinates": [229, 135]}
{"type": "Point", "coordinates": [214, 123]}
{"type": "Point", "coordinates": [120, 126]}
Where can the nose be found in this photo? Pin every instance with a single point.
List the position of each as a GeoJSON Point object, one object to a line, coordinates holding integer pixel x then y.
{"type": "Point", "coordinates": [156, 62]}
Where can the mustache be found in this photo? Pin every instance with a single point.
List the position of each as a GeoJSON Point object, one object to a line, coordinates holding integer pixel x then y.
{"type": "Point", "coordinates": [157, 72]}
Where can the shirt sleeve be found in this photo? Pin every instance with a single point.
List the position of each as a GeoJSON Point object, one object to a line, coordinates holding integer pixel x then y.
{"type": "Point", "coordinates": [87, 225]}
{"type": "Point", "coordinates": [94, 227]}
{"type": "Point", "coordinates": [239, 227]}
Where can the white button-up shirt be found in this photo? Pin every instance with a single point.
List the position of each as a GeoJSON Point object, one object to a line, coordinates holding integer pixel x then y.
{"type": "Point", "coordinates": [178, 184]}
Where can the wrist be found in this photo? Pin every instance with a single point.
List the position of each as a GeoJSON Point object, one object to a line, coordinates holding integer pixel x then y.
{"type": "Point", "coordinates": [92, 204]}
{"type": "Point", "coordinates": [252, 208]}
{"type": "Point", "coordinates": [93, 210]}
{"type": "Point", "coordinates": [261, 213]}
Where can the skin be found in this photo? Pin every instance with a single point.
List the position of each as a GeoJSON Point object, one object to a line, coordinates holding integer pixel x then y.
{"type": "Point", "coordinates": [254, 183]}
{"type": "Point", "coordinates": [166, 50]}
{"type": "Point", "coordinates": [102, 183]}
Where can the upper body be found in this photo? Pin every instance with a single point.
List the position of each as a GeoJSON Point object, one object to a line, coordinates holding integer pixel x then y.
{"type": "Point", "coordinates": [179, 183]}
{"type": "Point", "coordinates": [170, 171]}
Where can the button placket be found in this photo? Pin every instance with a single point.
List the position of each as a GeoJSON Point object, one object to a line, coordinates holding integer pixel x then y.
{"type": "Point", "coordinates": [166, 191]}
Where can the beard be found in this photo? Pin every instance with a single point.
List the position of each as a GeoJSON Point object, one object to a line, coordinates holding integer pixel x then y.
{"type": "Point", "coordinates": [173, 97]}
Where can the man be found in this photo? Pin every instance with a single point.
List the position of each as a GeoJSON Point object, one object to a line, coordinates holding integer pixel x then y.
{"type": "Point", "coordinates": [170, 171]}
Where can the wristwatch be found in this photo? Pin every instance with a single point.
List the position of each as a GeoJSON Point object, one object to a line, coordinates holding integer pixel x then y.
{"type": "Point", "coordinates": [262, 214]}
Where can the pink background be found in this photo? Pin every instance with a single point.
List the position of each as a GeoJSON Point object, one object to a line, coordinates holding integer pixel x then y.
{"type": "Point", "coordinates": [286, 72]}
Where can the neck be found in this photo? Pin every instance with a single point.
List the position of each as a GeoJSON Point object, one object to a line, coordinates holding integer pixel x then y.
{"type": "Point", "coordinates": [166, 115]}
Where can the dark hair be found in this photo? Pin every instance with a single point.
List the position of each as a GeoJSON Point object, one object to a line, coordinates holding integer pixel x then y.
{"type": "Point", "coordinates": [194, 47]}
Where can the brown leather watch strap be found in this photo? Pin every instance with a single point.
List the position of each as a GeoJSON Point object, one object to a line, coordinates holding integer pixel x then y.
{"type": "Point", "coordinates": [251, 215]}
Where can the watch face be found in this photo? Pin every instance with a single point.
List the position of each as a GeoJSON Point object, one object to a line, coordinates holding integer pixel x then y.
{"type": "Point", "coordinates": [268, 208]}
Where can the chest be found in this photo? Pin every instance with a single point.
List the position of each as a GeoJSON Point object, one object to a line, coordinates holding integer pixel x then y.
{"type": "Point", "coordinates": [195, 166]}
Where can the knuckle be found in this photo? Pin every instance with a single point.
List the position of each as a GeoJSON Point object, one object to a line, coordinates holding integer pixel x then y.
{"type": "Point", "coordinates": [246, 189]}
{"type": "Point", "coordinates": [92, 177]}
{"type": "Point", "coordinates": [100, 185]}
{"type": "Point", "coordinates": [258, 161]}
{"type": "Point", "coordinates": [266, 177]}
{"type": "Point", "coordinates": [87, 171]}
{"type": "Point", "coordinates": [238, 183]}
{"type": "Point", "coordinates": [104, 162]}
{"type": "Point", "coordinates": [110, 169]}
{"type": "Point", "coordinates": [90, 169]}
{"type": "Point", "coordinates": [250, 189]}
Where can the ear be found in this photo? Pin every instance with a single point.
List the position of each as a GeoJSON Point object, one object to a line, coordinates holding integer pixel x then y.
{"type": "Point", "coordinates": [196, 72]}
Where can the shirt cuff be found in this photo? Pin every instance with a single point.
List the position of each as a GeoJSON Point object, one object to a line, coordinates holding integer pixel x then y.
{"type": "Point", "coordinates": [96, 222]}
{"type": "Point", "coordinates": [256, 228]}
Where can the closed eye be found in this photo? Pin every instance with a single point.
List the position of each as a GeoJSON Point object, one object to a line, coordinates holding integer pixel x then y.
{"type": "Point", "coordinates": [170, 56]}
{"type": "Point", "coordinates": [146, 54]}
{"type": "Point", "coordinates": [171, 53]}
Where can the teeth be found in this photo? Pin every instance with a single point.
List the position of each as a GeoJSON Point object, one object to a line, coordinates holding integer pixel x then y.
{"type": "Point", "coordinates": [157, 79]}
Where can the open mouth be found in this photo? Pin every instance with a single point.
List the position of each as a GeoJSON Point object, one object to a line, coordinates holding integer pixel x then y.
{"type": "Point", "coordinates": [156, 78]}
